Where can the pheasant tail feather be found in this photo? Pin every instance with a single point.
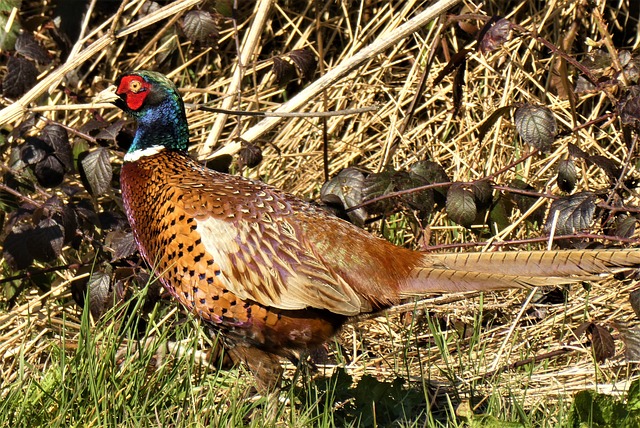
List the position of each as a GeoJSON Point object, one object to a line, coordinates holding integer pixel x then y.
{"type": "Point", "coordinates": [501, 270]}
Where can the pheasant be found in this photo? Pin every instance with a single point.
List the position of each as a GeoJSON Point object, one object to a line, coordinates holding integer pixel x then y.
{"type": "Point", "coordinates": [277, 275]}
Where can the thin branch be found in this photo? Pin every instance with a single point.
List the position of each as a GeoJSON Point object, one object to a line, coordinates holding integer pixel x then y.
{"type": "Point", "coordinates": [346, 112]}
{"type": "Point", "coordinates": [249, 46]}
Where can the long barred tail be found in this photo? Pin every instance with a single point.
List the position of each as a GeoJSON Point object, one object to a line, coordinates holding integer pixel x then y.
{"type": "Point", "coordinates": [500, 270]}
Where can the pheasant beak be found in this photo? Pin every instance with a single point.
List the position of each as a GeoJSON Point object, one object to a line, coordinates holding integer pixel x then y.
{"type": "Point", "coordinates": [110, 96]}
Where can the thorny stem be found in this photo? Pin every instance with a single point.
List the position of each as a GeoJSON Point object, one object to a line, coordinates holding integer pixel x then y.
{"type": "Point", "coordinates": [19, 195]}
{"type": "Point", "coordinates": [556, 50]}
{"type": "Point", "coordinates": [74, 131]}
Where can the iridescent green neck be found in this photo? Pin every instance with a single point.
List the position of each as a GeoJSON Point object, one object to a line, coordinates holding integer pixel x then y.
{"type": "Point", "coordinates": [163, 125]}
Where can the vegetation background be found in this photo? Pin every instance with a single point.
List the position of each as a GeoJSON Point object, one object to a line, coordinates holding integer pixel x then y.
{"type": "Point", "coordinates": [518, 120]}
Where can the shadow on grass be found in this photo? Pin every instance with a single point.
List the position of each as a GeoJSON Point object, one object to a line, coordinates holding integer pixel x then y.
{"type": "Point", "coordinates": [371, 402]}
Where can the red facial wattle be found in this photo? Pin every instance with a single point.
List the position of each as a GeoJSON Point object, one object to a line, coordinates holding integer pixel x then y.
{"type": "Point", "coordinates": [135, 90]}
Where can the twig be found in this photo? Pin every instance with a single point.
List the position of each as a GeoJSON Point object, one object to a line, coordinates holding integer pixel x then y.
{"type": "Point", "coordinates": [31, 274]}
{"type": "Point", "coordinates": [248, 48]}
{"type": "Point", "coordinates": [325, 99]}
{"type": "Point", "coordinates": [70, 129]}
{"type": "Point", "coordinates": [447, 184]}
{"type": "Point", "coordinates": [346, 112]}
{"type": "Point", "coordinates": [19, 195]}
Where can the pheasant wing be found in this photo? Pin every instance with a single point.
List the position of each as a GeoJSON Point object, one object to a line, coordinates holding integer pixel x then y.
{"type": "Point", "coordinates": [252, 233]}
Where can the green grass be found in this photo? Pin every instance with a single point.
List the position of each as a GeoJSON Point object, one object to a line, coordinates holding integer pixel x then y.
{"type": "Point", "coordinates": [131, 371]}
{"type": "Point", "coordinates": [119, 372]}
{"type": "Point", "coordinates": [400, 370]}
{"type": "Point", "coordinates": [96, 385]}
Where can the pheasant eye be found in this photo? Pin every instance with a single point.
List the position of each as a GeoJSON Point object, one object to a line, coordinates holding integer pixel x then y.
{"type": "Point", "coordinates": [135, 86]}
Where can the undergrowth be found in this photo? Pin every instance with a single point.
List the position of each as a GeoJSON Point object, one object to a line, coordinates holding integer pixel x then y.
{"type": "Point", "coordinates": [517, 121]}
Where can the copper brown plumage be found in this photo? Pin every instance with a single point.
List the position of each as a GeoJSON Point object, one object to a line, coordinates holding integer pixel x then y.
{"type": "Point", "coordinates": [276, 274]}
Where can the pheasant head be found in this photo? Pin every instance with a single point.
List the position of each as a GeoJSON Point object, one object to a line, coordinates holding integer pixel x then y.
{"type": "Point", "coordinates": [155, 103]}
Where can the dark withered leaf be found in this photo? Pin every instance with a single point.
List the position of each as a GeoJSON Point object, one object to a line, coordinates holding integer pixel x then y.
{"type": "Point", "coordinates": [421, 200]}
{"type": "Point", "coordinates": [33, 150]}
{"type": "Point", "coordinates": [123, 278]}
{"type": "Point", "coordinates": [431, 173]}
{"type": "Point", "coordinates": [577, 152]}
{"type": "Point", "coordinates": [49, 172]}
{"type": "Point", "coordinates": [112, 220]}
{"type": "Point", "coordinates": [46, 240]}
{"type": "Point", "coordinates": [491, 120]}
{"type": "Point", "coordinates": [166, 46]}
{"type": "Point", "coordinates": [305, 62]}
{"type": "Point", "coordinates": [629, 106]}
{"type": "Point", "coordinates": [567, 175]}
{"type": "Point", "coordinates": [499, 215]}
{"type": "Point", "coordinates": [299, 63]}
{"type": "Point", "coordinates": [220, 163]}
{"type": "Point", "coordinates": [57, 139]}
{"type": "Point", "coordinates": [624, 56]}
{"type": "Point", "coordinates": [345, 191]}
{"type": "Point", "coordinates": [376, 185]}
{"type": "Point", "coordinates": [100, 292]}
{"type": "Point", "coordinates": [625, 226]}
{"type": "Point", "coordinates": [121, 243]}
{"type": "Point", "coordinates": [634, 299]}
{"type": "Point", "coordinates": [456, 60]}
{"type": "Point", "coordinates": [458, 87]}
{"type": "Point", "coordinates": [574, 213]}
{"type": "Point", "coordinates": [607, 165]}
{"type": "Point", "coordinates": [27, 46]}
{"type": "Point", "coordinates": [283, 70]}
{"type": "Point", "coordinates": [583, 86]}
{"type": "Point", "coordinates": [496, 36]}
{"type": "Point", "coordinates": [536, 125]}
{"type": "Point", "coordinates": [632, 68]}
{"type": "Point", "coordinates": [14, 248]}
{"type": "Point", "coordinates": [149, 7]}
{"type": "Point", "coordinates": [68, 218]}
{"type": "Point", "coordinates": [483, 194]}
{"type": "Point", "coordinates": [597, 61]}
{"type": "Point", "coordinates": [200, 26]}
{"type": "Point", "coordinates": [525, 202]}
{"type": "Point", "coordinates": [250, 155]}
{"type": "Point", "coordinates": [92, 126]}
{"type": "Point", "coordinates": [87, 216]}
{"type": "Point", "coordinates": [602, 343]}
{"type": "Point", "coordinates": [21, 76]}
{"type": "Point", "coordinates": [110, 133]}
{"type": "Point", "coordinates": [97, 170]}
{"type": "Point", "coordinates": [24, 127]}
{"type": "Point", "coordinates": [461, 205]}
{"type": "Point", "coordinates": [630, 335]}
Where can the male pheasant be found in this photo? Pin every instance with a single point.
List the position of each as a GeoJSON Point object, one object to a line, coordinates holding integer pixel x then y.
{"type": "Point", "coordinates": [275, 274]}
